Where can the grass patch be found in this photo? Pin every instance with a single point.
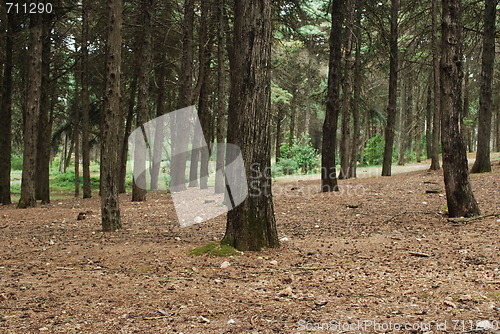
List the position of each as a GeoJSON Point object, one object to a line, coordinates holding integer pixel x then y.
{"type": "Point", "coordinates": [214, 249]}
{"type": "Point", "coordinates": [493, 295]}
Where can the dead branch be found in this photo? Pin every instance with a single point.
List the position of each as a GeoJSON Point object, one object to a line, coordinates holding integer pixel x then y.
{"type": "Point", "coordinates": [466, 220]}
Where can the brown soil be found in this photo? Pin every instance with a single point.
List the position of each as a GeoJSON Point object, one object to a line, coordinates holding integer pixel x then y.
{"type": "Point", "coordinates": [382, 251]}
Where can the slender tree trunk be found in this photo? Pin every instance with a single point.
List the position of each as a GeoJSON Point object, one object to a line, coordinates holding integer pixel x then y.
{"type": "Point", "coordinates": [31, 113]}
{"type": "Point", "coordinates": [122, 175]}
{"type": "Point", "coordinates": [393, 86]}
{"type": "Point", "coordinates": [159, 131]}
{"type": "Point", "coordinates": [357, 93]}
{"type": "Point", "coordinates": [428, 121]}
{"type": "Point", "coordinates": [460, 198]}
{"type": "Point", "coordinates": [139, 192]}
{"type": "Point", "coordinates": [110, 206]}
{"type": "Point", "coordinates": [87, 191]}
{"type": "Point", "coordinates": [6, 115]}
{"type": "Point", "coordinates": [76, 140]}
{"type": "Point", "coordinates": [437, 113]}
{"type": "Point", "coordinates": [329, 145]}
{"type": "Point", "coordinates": [483, 164]}
{"type": "Point", "coordinates": [346, 95]}
{"type": "Point", "coordinates": [467, 130]}
{"type": "Point", "coordinates": [279, 132]}
{"type": "Point", "coordinates": [402, 122]}
{"type": "Point", "coordinates": [251, 225]}
{"type": "Point", "coordinates": [178, 168]}
{"type": "Point", "coordinates": [221, 102]}
{"type": "Point", "coordinates": [309, 88]}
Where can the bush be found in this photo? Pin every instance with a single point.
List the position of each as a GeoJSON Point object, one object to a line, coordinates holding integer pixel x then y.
{"type": "Point", "coordinates": [300, 156]}
{"type": "Point", "coordinates": [16, 163]}
{"type": "Point", "coordinates": [374, 151]}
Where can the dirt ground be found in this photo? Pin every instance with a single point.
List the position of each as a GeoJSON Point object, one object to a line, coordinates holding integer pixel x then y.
{"type": "Point", "coordinates": [378, 257]}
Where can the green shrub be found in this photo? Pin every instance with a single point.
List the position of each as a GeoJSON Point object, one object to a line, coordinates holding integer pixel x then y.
{"type": "Point", "coordinates": [302, 155]}
{"type": "Point", "coordinates": [16, 163]}
{"type": "Point", "coordinates": [288, 166]}
{"type": "Point", "coordinates": [374, 151]}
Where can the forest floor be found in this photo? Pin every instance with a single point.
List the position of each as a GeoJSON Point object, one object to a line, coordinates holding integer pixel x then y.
{"type": "Point", "coordinates": [381, 256]}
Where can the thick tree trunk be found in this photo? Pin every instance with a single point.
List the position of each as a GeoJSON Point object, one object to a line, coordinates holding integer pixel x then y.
{"type": "Point", "coordinates": [483, 164]}
{"type": "Point", "coordinates": [87, 191]}
{"type": "Point", "coordinates": [110, 206]}
{"type": "Point", "coordinates": [436, 123]}
{"type": "Point", "coordinates": [178, 168]}
{"type": "Point", "coordinates": [6, 116]}
{"type": "Point", "coordinates": [139, 192]}
{"type": "Point", "coordinates": [329, 144]}
{"type": "Point", "coordinates": [393, 87]}
{"type": "Point", "coordinates": [346, 95]}
{"type": "Point", "coordinates": [31, 113]}
{"type": "Point", "coordinates": [251, 225]}
{"type": "Point", "coordinates": [459, 195]}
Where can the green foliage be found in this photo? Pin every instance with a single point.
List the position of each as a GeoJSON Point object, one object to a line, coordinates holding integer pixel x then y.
{"type": "Point", "coordinates": [67, 180]}
{"type": "Point", "coordinates": [214, 249]}
{"type": "Point", "coordinates": [16, 162]}
{"type": "Point", "coordinates": [301, 155]}
{"type": "Point", "coordinates": [374, 151]}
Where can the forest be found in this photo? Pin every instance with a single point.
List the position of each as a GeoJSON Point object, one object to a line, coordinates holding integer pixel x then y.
{"type": "Point", "coordinates": [243, 166]}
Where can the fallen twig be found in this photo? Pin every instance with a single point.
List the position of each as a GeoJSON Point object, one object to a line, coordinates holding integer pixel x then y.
{"type": "Point", "coordinates": [420, 254]}
{"type": "Point", "coordinates": [466, 220]}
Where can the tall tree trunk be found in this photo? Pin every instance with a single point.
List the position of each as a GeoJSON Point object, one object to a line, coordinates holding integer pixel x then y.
{"type": "Point", "coordinates": [159, 131]}
{"type": "Point", "coordinates": [346, 95]}
{"type": "Point", "coordinates": [309, 88]}
{"type": "Point", "coordinates": [122, 174]}
{"type": "Point", "coordinates": [179, 152]}
{"type": "Point", "coordinates": [87, 191]}
{"type": "Point", "coordinates": [393, 87]}
{"type": "Point", "coordinates": [356, 140]}
{"type": "Point", "coordinates": [76, 140]}
{"type": "Point", "coordinates": [483, 164]}
{"type": "Point", "coordinates": [402, 122]}
{"type": "Point", "coordinates": [467, 130]}
{"type": "Point", "coordinates": [279, 132]}
{"type": "Point", "coordinates": [436, 123]}
{"type": "Point", "coordinates": [221, 102]}
{"type": "Point", "coordinates": [419, 126]}
{"type": "Point", "coordinates": [110, 206]}
{"type": "Point", "coordinates": [6, 115]}
{"type": "Point", "coordinates": [251, 225]}
{"type": "Point", "coordinates": [139, 182]}
{"type": "Point", "coordinates": [329, 145]}
{"type": "Point", "coordinates": [32, 112]}
{"type": "Point", "coordinates": [428, 120]}
{"type": "Point", "coordinates": [459, 195]}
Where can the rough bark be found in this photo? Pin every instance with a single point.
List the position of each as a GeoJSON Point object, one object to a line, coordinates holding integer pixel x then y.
{"type": "Point", "coordinates": [31, 113]}
{"type": "Point", "coordinates": [467, 130]}
{"type": "Point", "coordinates": [138, 193]}
{"type": "Point", "coordinates": [428, 120]}
{"type": "Point", "coordinates": [87, 191]}
{"type": "Point", "coordinates": [251, 225]}
{"type": "Point", "coordinates": [393, 86]}
{"type": "Point", "coordinates": [122, 174]}
{"type": "Point", "coordinates": [329, 143]}
{"type": "Point", "coordinates": [110, 206]}
{"type": "Point", "coordinates": [159, 132]}
{"type": "Point", "coordinates": [436, 123]}
{"type": "Point", "coordinates": [483, 163]}
{"type": "Point", "coordinates": [459, 195]}
{"type": "Point", "coordinates": [6, 115]}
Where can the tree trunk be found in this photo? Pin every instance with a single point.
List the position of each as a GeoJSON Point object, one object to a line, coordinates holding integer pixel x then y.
{"type": "Point", "coordinates": [459, 195]}
{"type": "Point", "coordinates": [159, 131]}
{"type": "Point", "coordinates": [179, 152]}
{"type": "Point", "coordinates": [357, 93]}
{"type": "Point", "coordinates": [31, 113]}
{"type": "Point", "coordinates": [279, 132]}
{"type": "Point", "coordinates": [87, 191]}
{"type": "Point", "coordinates": [251, 225]}
{"type": "Point", "coordinates": [428, 120]}
{"type": "Point", "coordinates": [483, 164]}
{"type": "Point", "coordinates": [6, 115]}
{"type": "Point", "coordinates": [110, 206]}
{"type": "Point", "coordinates": [467, 130]}
{"type": "Point", "coordinates": [436, 123]}
{"type": "Point", "coordinates": [122, 175]}
{"type": "Point", "coordinates": [309, 88]}
{"type": "Point", "coordinates": [139, 191]}
{"type": "Point", "coordinates": [346, 95]}
{"type": "Point", "coordinates": [393, 87]}
{"type": "Point", "coordinates": [402, 122]}
{"type": "Point", "coordinates": [221, 103]}
{"type": "Point", "coordinates": [329, 144]}
{"type": "Point", "coordinates": [76, 140]}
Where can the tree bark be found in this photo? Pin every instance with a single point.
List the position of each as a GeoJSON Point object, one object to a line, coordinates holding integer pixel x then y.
{"type": "Point", "coordinates": [32, 113]}
{"type": "Point", "coordinates": [329, 144]}
{"type": "Point", "coordinates": [428, 120]}
{"type": "Point", "coordinates": [393, 87]}
{"type": "Point", "coordinates": [110, 206]}
{"type": "Point", "coordinates": [483, 163]}
{"type": "Point", "coordinates": [139, 192]}
{"type": "Point", "coordinates": [459, 195]}
{"type": "Point", "coordinates": [467, 130]}
{"type": "Point", "coordinates": [6, 115]}
{"type": "Point", "coordinates": [87, 191]}
{"type": "Point", "coordinates": [159, 132]}
{"type": "Point", "coordinates": [436, 123]}
{"type": "Point", "coordinates": [251, 225]}
{"type": "Point", "coordinates": [122, 175]}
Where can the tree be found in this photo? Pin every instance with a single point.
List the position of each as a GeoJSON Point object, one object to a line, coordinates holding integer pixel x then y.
{"type": "Point", "coordinates": [329, 150]}
{"type": "Point", "coordinates": [145, 54]}
{"type": "Point", "coordinates": [436, 123]}
{"type": "Point", "coordinates": [482, 163]}
{"type": "Point", "coordinates": [251, 225]}
{"type": "Point", "coordinates": [87, 191]}
{"type": "Point", "coordinates": [110, 206]}
{"type": "Point", "coordinates": [31, 113]}
{"type": "Point", "coordinates": [6, 113]}
{"type": "Point", "coordinates": [459, 195]}
{"type": "Point", "coordinates": [393, 86]}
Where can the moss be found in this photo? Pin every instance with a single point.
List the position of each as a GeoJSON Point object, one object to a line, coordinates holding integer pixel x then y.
{"type": "Point", "coordinates": [214, 249]}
